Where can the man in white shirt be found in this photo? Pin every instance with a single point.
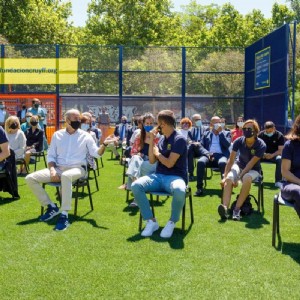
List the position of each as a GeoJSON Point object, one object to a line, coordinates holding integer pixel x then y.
{"type": "Point", "coordinates": [66, 163]}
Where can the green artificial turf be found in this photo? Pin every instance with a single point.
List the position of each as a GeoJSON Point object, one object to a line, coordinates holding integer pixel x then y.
{"type": "Point", "coordinates": [102, 255]}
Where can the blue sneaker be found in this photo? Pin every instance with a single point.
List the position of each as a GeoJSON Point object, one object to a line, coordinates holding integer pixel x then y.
{"type": "Point", "coordinates": [50, 213]}
{"type": "Point", "coordinates": [62, 223]}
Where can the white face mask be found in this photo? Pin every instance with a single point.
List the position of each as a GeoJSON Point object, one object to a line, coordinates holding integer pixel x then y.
{"type": "Point", "coordinates": [198, 123]}
{"type": "Point", "coordinates": [240, 124]}
{"type": "Point", "coordinates": [217, 125]}
{"type": "Point", "coordinates": [85, 127]}
{"type": "Point", "coordinates": [222, 125]}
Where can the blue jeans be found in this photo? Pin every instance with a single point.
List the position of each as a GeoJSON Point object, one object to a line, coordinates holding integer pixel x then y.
{"type": "Point", "coordinates": [174, 185]}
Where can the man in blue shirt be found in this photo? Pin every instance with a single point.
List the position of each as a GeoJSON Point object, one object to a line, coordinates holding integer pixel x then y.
{"type": "Point", "coordinates": [170, 176]}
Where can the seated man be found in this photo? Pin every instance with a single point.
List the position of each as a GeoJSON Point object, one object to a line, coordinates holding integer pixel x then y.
{"type": "Point", "coordinates": [121, 133]}
{"type": "Point", "coordinates": [66, 163]}
{"type": "Point", "coordinates": [217, 142]}
{"type": "Point", "coordinates": [274, 141]}
{"type": "Point", "coordinates": [170, 175]}
{"type": "Point", "coordinates": [195, 148]}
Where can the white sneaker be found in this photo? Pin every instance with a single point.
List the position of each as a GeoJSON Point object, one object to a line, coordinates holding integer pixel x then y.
{"type": "Point", "coordinates": [168, 230]}
{"type": "Point", "coordinates": [150, 227]}
{"type": "Point", "coordinates": [278, 184]}
{"type": "Point", "coordinates": [236, 215]}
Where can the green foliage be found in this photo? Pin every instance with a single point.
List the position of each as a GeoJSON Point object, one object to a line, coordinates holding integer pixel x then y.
{"type": "Point", "coordinates": [36, 21]}
{"type": "Point", "coordinates": [281, 15]}
{"type": "Point", "coordinates": [295, 7]}
{"type": "Point", "coordinates": [131, 22]}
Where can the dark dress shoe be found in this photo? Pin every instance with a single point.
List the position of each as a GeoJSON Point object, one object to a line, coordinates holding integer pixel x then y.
{"type": "Point", "coordinates": [199, 193]}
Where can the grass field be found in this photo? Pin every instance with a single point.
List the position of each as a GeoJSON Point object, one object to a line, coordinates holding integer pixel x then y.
{"type": "Point", "coordinates": [102, 256]}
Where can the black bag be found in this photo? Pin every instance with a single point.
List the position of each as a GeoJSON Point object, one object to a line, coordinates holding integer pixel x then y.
{"type": "Point", "coordinates": [246, 208]}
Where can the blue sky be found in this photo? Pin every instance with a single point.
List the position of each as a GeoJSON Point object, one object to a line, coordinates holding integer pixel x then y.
{"type": "Point", "coordinates": [243, 6]}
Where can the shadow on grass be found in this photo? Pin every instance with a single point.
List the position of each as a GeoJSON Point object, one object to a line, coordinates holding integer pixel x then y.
{"type": "Point", "coordinates": [293, 250]}
{"type": "Point", "coordinates": [254, 221]}
{"type": "Point", "coordinates": [176, 241]}
{"type": "Point", "coordinates": [211, 193]}
{"type": "Point", "coordinates": [8, 200]}
{"type": "Point", "coordinates": [72, 219]}
{"type": "Point", "coordinates": [270, 186]}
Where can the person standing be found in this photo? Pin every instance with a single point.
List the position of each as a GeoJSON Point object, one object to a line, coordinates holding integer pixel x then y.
{"type": "Point", "coordinates": [21, 114]}
{"type": "Point", "coordinates": [36, 110]}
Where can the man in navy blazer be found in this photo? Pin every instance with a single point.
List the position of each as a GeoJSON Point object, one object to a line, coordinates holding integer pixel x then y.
{"type": "Point", "coordinates": [121, 132]}
{"type": "Point", "coordinates": [21, 114]}
{"type": "Point", "coordinates": [217, 142]}
{"type": "Point", "coordinates": [195, 149]}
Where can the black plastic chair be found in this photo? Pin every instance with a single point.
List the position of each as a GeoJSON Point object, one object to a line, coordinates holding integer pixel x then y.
{"type": "Point", "coordinates": [37, 156]}
{"type": "Point", "coordinates": [81, 182]}
{"type": "Point", "coordinates": [188, 194]}
{"type": "Point", "coordinates": [278, 201]}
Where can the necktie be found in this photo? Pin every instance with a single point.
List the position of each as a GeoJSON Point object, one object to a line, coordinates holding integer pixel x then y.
{"type": "Point", "coordinates": [197, 134]}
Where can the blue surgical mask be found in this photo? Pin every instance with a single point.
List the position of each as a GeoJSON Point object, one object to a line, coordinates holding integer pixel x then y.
{"type": "Point", "coordinates": [269, 134]}
{"type": "Point", "coordinates": [198, 123]}
{"type": "Point", "coordinates": [148, 128]}
{"type": "Point", "coordinates": [85, 127]}
{"type": "Point", "coordinates": [222, 125]}
{"type": "Point", "coordinates": [28, 119]}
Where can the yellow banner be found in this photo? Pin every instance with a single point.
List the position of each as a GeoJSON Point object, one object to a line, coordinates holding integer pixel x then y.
{"type": "Point", "coordinates": [39, 71]}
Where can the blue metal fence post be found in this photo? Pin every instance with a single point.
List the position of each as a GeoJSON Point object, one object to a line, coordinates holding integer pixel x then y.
{"type": "Point", "coordinates": [183, 72]}
{"type": "Point", "coordinates": [57, 86]}
{"type": "Point", "coordinates": [2, 65]}
{"type": "Point", "coordinates": [294, 72]}
{"type": "Point", "coordinates": [120, 81]}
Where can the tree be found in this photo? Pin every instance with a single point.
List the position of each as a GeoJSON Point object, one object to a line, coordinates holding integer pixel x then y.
{"type": "Point", "coordinates": [131, 22]}
{"type": "Point", "coordinates": [281, 15]}
{"type": "Point", "coordinates": [36, 21]}
{"type": "Point", "coordinates": [295, 7]}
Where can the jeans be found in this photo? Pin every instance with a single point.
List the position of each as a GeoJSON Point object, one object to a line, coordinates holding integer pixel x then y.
{"type": "Point", "coordinates": [174, 185]}
{"type": "Point", "coordinates": [218, 162]}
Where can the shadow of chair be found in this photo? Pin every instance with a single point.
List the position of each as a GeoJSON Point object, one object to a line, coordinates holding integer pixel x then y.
{"type": "Point", "coordinates": [188, 194]}
{"type": "Point", "coordinates": [79, 183]}
{"type": "Point", "coordinates": [278, 201]}
{"type": "Point", "coordinates": [259, 200]}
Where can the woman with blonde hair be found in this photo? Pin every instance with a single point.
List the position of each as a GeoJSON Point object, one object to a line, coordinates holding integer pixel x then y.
{"type": "Point", "coordinates": [245, 168]}
{"type": "Point", "coordinates": [16, 137]}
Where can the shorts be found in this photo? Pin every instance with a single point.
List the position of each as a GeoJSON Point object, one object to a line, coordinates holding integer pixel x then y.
{"type": "Point", "coordinates": [235, 172]}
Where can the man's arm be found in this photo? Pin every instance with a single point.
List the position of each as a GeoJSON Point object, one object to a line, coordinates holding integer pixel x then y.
{"type": "Point", "coordinates": [5, 152]}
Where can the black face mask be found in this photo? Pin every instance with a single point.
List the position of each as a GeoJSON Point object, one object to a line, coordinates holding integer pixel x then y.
{"type": "Point", "coordinates": [13, 126]}
{"type": "Point", "coordinates": [248, 132]}
{"type": "Point", "coordinates": [136, 123]}
{"type": "Point", "coordinates": [33, 123]}
{"type": "Point", "coordinates": [36, 105]}
{"type": "Point", "coordinates": [75, 124]}
{"type": "Point", "coordinates": [24, 106]}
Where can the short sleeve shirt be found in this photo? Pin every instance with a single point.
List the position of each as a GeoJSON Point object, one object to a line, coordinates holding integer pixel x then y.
{"type": "Point", "coordinates": [272, 142]}
{"type": "Point", "coordinates": [3, 137]}
{"type": "Point", "coordinates": [245, 153]}
{"type": "Point", "coordinates": [174, 143]}
{"type": "Point", "coordinates": [291, 151]}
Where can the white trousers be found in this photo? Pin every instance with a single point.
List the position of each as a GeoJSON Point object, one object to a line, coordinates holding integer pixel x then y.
{"type": "Point", "coordinates": [67, 175]}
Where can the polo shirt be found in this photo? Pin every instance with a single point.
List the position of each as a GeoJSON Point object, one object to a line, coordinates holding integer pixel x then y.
{"type": "Point", "coordinates": [174, 143]}
{"type": "Point", "coordinates": [291, 151]}
{"type": "Point", "coordinates": [246, 153]}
